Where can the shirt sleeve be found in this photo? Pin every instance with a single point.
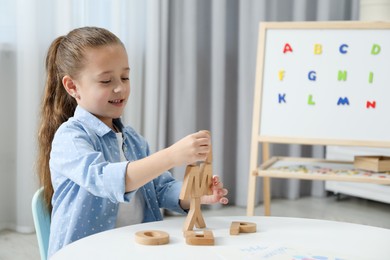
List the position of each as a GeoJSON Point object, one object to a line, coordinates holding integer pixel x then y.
{"type": "Point", "coordinates": [168, 192]}
{"type": "Point", "coordinates": [167, 188]}
{"type": "Point", "coordinates": [73, 157]}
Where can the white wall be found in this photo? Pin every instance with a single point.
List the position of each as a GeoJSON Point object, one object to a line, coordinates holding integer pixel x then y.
{"type": "Point", "coordinates": [7, 136]}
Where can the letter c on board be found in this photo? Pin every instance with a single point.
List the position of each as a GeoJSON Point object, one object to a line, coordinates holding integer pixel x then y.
{"type": "Point", "coordinates": [343, 48]}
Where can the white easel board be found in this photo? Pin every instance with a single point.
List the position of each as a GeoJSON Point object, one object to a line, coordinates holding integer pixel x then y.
{"type": "Point", "coordinates": [324, 83]}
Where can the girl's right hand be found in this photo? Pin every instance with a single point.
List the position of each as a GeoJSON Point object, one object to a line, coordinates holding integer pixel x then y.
{"type": "Point", "coordinates": [192, 148]}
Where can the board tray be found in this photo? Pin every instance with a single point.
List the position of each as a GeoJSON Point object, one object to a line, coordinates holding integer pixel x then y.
{"type": "Point", "coordinates": [319, 169]}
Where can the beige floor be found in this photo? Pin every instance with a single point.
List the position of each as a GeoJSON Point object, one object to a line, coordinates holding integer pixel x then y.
{"type": "Point", "coordinates": [14, 246]}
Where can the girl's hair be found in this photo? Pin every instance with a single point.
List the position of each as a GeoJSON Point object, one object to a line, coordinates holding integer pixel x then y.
{"type": "Point", "coordinates": [64, 57]}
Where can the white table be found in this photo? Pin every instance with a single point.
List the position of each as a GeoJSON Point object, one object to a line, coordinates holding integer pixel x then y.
{"type": "Point", "coordinates": [276, 238]}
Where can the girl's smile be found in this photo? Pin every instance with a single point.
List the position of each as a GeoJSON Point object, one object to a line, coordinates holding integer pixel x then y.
{"type": "Point", "coordinates": [117, 102]}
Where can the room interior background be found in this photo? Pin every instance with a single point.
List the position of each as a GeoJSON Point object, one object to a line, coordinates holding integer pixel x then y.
{"type": "Point", "coordinates": [192, 68]}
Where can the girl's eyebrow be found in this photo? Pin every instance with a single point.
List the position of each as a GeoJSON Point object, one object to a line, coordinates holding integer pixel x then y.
{"type": "Point", "coordinates": [110, 71]}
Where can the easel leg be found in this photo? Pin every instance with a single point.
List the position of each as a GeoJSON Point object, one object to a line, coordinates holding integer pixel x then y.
{"type": "Point", "coordinates": [267, 195]}
{"type": "Point", "coordinates": [251, 195]}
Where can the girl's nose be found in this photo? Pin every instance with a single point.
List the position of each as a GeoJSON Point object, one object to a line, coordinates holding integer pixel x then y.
{"type": "Point", "coordinates": [118, 88]}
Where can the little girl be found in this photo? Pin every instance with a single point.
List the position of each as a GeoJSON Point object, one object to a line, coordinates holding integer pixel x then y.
{"type": "Point", "coordinates": [89, 162]}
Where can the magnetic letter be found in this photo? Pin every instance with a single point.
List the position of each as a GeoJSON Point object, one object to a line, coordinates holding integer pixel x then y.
{"type": "Point", "coordinates": [287, 48]}
{"type": "Point", "coordinates": [281, 75]}
{"type": "Point", "coordinates": [343, 101]}
{"type": "Point", "coordinates": [310, 100]}
{"type": "Point", "coordinates": [370, 77]}
{"type": "Point", "coordinates": [376, 49]}
{"type": "Point", "coordinates": [342, 75]}
{"type": "Point", "coordinates": [371, 104]}
{"type": "Point", "coordinates": [282, 98]}
{"type": "Point", "coordinates": [317, 48]}
{"type": "Point", "coordinates": [343, 48]}
{"type": "Point", "coordinates": [312, 75]}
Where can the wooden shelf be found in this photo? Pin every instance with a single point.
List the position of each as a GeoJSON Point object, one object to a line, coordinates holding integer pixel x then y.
{"type": "Point", "coordinates": [319, 169]}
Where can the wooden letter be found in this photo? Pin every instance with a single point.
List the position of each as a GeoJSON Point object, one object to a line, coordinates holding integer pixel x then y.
{"type": "Point", "coordinates": [242, 227]}
{"type": "Point", "coordinates": [152, 237]}
{"type": "Point", "coordinates": [199, 239]}
{"type": "Point", "coordinates": [197, 182]}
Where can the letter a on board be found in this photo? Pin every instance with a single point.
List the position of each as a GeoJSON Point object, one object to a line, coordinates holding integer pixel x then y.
{"type": "Point", "coordinates": [287, 48]}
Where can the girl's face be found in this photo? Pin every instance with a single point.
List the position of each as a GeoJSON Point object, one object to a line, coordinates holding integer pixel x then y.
{"type": "Point", "coordinates": [103, 86]}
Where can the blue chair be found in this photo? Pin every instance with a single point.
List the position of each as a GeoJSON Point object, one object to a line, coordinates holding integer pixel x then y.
{"type": "Point", "coordinates": [41, 218]}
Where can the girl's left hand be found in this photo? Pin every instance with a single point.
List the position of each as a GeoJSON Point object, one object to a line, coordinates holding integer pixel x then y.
{"type": "Point", "coordinates": [218, 195]}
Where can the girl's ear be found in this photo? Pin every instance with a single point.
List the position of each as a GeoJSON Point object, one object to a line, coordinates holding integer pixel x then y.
{"type": "Point", "coordinates": [70, 86]}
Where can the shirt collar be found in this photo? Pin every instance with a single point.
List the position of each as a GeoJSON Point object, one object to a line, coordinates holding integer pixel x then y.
{"type": "Point", "coordinates": [87, 118]}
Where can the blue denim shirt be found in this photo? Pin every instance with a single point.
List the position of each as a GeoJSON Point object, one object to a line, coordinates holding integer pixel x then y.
{"type": "Point", "coordinates": [89, 179]}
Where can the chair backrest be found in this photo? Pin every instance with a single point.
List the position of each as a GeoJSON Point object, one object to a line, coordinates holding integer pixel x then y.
{"type": "Point", "coordinates": [42, 222]}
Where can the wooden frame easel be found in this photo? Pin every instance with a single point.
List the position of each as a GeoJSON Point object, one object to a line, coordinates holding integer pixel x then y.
{"type": "Point", "coordinates": [265, 170]}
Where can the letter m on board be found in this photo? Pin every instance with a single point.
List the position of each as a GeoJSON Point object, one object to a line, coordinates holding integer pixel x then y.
{"type": "Point", "coordinates": [282, 98]}
{"type": "Point", "coordinates": [343, 101]}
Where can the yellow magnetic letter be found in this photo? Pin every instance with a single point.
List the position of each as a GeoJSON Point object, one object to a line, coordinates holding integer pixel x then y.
{"type": "Point", "coordinates": [281, 75]}
{"type": "Point", "coordinates": [317, 49]}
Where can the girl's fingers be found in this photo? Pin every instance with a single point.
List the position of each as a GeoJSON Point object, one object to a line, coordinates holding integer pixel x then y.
{"type": "Point", "coordinates": [218, 192]}
{"type": "Point", "coordinates": [203, 150]}
{"type": "Point", "coordinates": [223, 200]}
{"type": "Point", "coordinates": [222, 192]}
{"type": "Point", "coordinates": [218, 187]}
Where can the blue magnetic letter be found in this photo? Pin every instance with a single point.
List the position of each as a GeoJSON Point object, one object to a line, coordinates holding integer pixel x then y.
{"type": "Point", "coordinates": [343, 48]}
{"type": "Point", "coordinates": [282, 98]}
{"type": "Point", "coordinates": [343, 101]}
{"type": "Point", "coordinates": [312, 75]}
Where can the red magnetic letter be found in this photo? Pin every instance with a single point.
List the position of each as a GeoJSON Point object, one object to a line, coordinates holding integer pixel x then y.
{"type": "Point", "coordinates": [371, 104]}
{"type": "Point", "coordinates": [287, 48]}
